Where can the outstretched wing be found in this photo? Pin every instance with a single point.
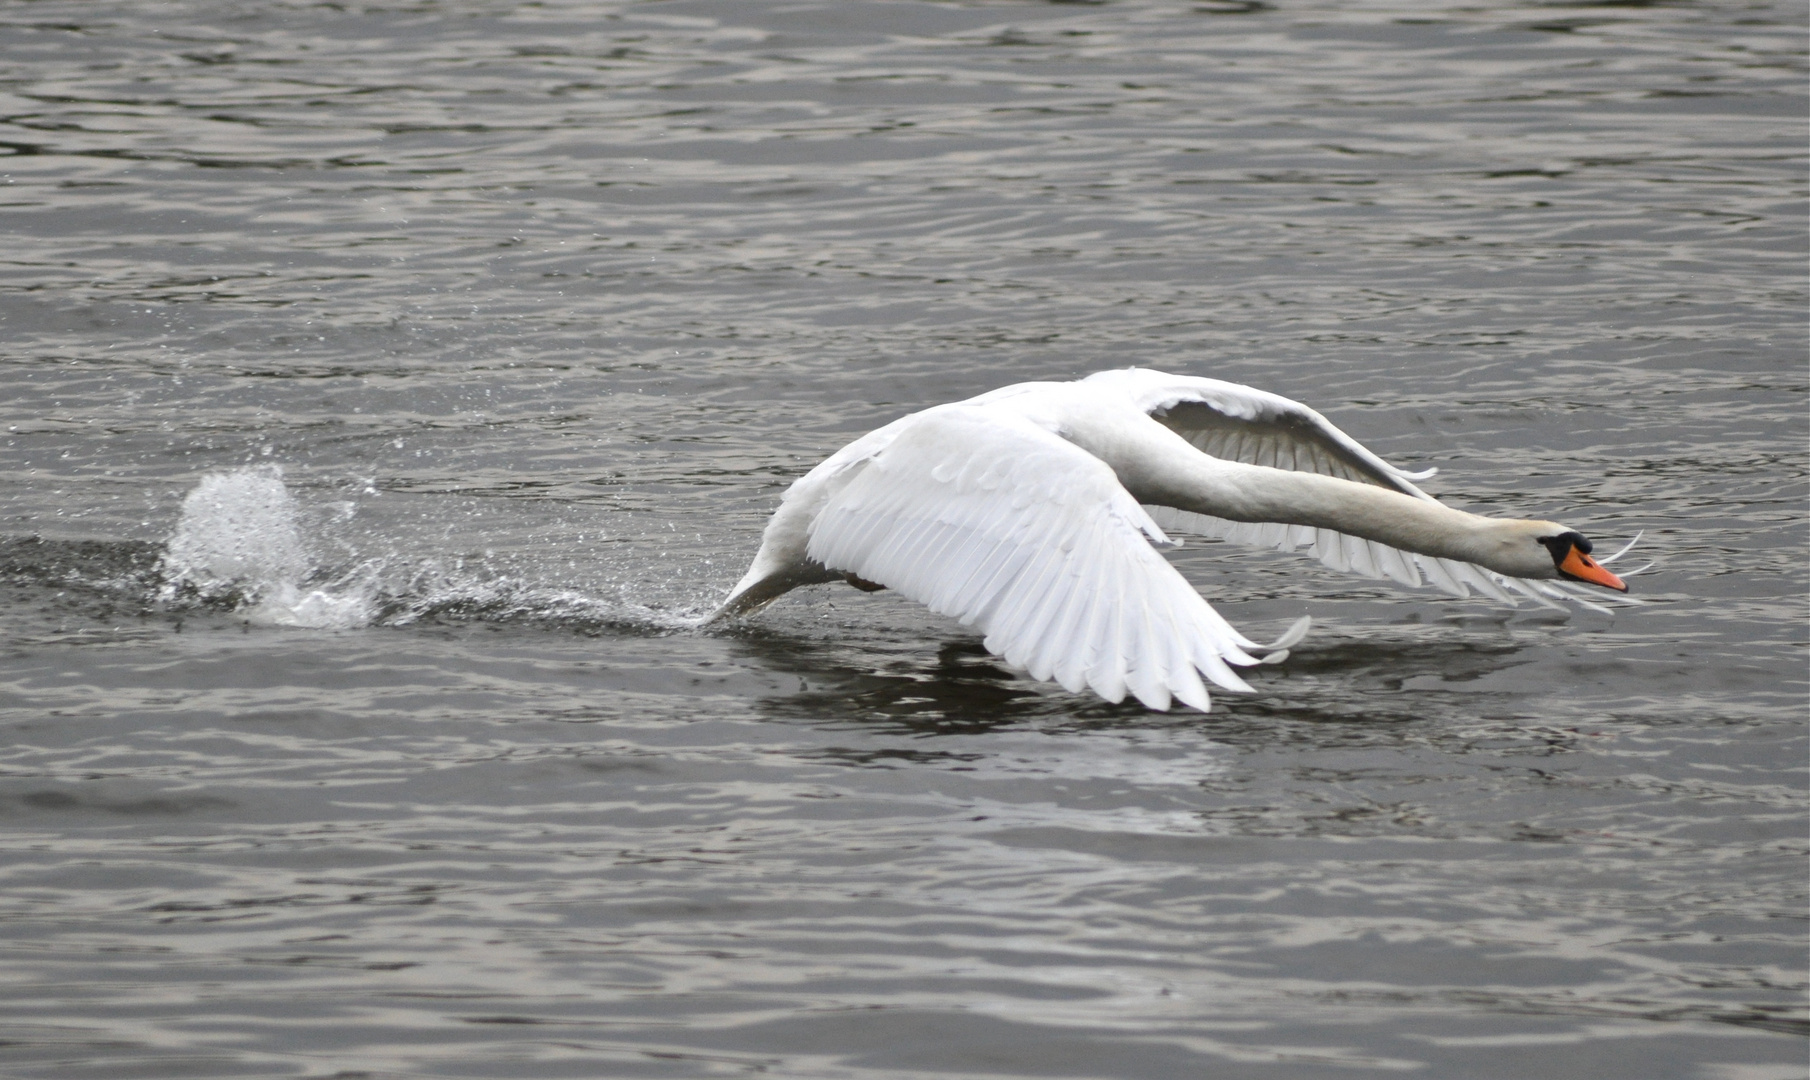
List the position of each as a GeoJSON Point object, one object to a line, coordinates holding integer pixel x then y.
{"type": "Point", "coordinates": [1241, 423]}
{"type": "Point", "coordinates": [985, 516]}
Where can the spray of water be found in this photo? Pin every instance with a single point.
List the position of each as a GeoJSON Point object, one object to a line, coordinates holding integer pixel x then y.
{"type": "Point", "coordinates": [239, 544]}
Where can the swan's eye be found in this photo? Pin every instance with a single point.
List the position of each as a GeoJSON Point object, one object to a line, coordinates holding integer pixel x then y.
{"type": "Point", "coordinates": [1564, 542]}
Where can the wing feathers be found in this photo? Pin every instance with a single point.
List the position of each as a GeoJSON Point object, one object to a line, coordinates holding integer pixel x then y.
{"type": "Point", "coordinates": [1242, 423]}
{"type": "Point", "coordinates": [1395, 566]}
{"type": "Point", "coordinates": [991, 519]}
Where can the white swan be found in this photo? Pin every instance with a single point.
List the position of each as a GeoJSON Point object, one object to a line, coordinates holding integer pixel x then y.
{"type": "Point", "coordinates": [1019, 512]}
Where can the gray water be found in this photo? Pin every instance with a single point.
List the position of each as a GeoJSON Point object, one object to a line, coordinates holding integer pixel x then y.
{"type": "Point", "coordinates": [387, 388]}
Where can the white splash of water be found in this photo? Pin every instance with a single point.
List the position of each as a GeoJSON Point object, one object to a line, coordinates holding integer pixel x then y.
{"type": "Point", "coordinates": [240, 543]}
{"type": "Point", "coordinates": [238, 540]}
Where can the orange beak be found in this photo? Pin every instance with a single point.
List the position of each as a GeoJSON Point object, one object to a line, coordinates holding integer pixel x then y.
{"type": "Point", "coordinates": [1581, 567]}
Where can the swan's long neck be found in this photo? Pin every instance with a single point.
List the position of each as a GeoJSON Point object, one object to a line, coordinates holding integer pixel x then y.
{"type": "Point", "coordinates": [1240, 492]}
{"type": "Point", "coordinates": [1157, 466]}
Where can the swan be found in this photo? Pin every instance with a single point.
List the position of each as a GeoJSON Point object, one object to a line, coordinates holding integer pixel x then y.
{"type": "Point", "coordinates": [1034, 513]}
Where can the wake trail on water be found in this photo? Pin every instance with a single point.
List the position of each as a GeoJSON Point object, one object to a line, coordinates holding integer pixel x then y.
{"type": "Point", "coordinates": [239, 544]}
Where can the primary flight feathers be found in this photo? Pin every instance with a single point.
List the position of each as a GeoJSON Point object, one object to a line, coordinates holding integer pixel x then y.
{"type": "Point", "coordinates": [1031, 513]}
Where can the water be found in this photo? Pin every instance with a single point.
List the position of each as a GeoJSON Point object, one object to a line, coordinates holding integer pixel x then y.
{"type": "Point", "coordinates": [388, 387]}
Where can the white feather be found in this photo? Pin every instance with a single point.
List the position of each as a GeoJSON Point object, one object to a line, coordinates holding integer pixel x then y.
{"type": "Point", "coordinates": [1058, 572]}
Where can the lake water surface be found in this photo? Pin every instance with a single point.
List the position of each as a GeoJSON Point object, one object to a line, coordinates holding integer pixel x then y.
{"type": "Point", "coordinates": [387, 388]}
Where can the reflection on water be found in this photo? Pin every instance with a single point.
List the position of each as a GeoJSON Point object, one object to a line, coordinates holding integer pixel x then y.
{"type": "Point", "coordinates": [388, 388]}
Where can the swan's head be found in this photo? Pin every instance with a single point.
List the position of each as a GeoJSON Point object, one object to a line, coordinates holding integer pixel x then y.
{"type": "Point", "coordinates": [1546, 549]}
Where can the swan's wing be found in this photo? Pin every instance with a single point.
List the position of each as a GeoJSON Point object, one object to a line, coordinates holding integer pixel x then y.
{"type": "Point", "coordinates": [1241, 423]}
{"type": "Point", "coordinates": [985, 516]}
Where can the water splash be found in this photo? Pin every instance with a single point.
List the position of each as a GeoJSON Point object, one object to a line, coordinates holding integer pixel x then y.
{"type": "Point", "coordinates": [239, 544]}
{"type": "Point", "coordinates": [237, 527]}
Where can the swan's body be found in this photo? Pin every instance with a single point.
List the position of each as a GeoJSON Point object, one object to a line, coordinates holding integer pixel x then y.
{"type": "Point", "coordinates": [1031, 511]}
